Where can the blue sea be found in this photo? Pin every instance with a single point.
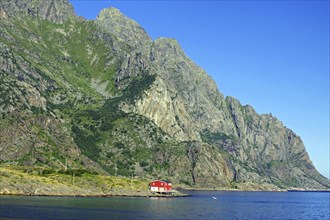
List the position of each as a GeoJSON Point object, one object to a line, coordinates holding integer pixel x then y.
{"type": "Point", "coordinates": [200, 205]}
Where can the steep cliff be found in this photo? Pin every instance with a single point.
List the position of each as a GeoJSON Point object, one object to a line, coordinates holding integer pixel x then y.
{"type": "Point", "coordinates": [101, 95]}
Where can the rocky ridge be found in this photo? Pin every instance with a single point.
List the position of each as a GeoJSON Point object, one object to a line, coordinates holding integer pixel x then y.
{"type": "Point", "coordinates": [52, 10]}
{"type": "Point", "coordinates": [102, 95]}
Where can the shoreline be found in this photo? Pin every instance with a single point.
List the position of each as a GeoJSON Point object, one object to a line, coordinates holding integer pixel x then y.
{"type": "Point", "coordinates": [252, 189]}
{"type": "Point", "coordinates": [176, 194]}
{"type": "Point", "coordinates": [97, 195]}
{"type": "Point", "coordinates": [256, 190]}
{"type": "Point", "coordinates": [27, 181]}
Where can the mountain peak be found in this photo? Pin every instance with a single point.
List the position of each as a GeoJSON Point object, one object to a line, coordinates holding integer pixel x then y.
{"type": "Point", "coordinates": [126, 29]}
{"type": "Point", "coordinates": [102, 96]}
{"type": "Point", "coordinates": [53, 10]}
{"type": "Point", "coordinates": [112, 11]}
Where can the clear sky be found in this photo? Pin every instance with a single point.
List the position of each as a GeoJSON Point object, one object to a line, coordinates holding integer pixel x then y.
{"type": "Point", "coordinates": [272, 55]}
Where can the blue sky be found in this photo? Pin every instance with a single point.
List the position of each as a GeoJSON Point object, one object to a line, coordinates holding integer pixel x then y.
{"type": "Point", "coordinates": [272, 55]}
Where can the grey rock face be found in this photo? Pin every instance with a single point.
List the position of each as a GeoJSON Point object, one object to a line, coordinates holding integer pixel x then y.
{"type": "Point", "coordinates": [124, 28]}
{"type": "Point", "coordinates": [104, 90]}
{"type": "Point", "coordinates": [254, 148]}
{"type": "Point", "coordinates": [53, 10]}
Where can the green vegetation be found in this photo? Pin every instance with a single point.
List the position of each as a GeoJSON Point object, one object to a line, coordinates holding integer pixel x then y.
{"type": "Point", "coordinates": [75, 55]}
{"type": "Point", "coordinates": [87, 142]}
{"type": "Point", "coordinates": [40, 180]}
{"type": "Point", "coordinates": [121, 140]}
{"type": "Point", "coordinates": [71, 52]}
{"type": "Point", "coordinates": [69, 100]}
{"type": "Point", "coordinates": [276, 163]}
{"type": "Point", "coordinates": [216, 137]}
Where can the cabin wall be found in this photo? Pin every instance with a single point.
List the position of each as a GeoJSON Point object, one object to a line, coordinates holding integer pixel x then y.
{"type": "Point", "coordinates": [160, 186]}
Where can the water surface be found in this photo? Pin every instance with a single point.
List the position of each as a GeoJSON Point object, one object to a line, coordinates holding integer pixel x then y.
{"type": "Point", "coordinates": [201, 205]}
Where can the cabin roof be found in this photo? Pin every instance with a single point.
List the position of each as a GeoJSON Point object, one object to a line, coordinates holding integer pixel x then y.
{"type": "Point", "coordinates": [165, 181]}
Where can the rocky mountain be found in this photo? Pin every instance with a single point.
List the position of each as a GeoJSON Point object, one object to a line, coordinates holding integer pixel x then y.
{"type": "Point", "coordinates": [103, 96]}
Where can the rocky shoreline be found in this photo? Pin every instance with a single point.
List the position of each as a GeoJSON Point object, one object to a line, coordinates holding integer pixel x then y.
{"type": "Point", "coordinates": [127, 193]}
{"type": "Point", "coordinates": [65, 192]}
{"type": "Point", "coordinates": [137, 194]}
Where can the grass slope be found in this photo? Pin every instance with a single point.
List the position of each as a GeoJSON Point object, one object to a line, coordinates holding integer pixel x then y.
{"type": "Point", "coordinates": [19, 180]}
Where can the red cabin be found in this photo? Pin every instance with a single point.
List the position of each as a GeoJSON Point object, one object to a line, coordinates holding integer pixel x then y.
{"type": "Point", "coordinates": [160, 186]}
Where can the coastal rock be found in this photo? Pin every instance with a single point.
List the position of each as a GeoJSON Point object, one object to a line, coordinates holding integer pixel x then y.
{"type": "Point", "coordinates": [101, 95]}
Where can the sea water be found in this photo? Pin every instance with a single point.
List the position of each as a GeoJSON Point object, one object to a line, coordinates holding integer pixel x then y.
{"type": "Point", "coordinates": [200, 205]}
